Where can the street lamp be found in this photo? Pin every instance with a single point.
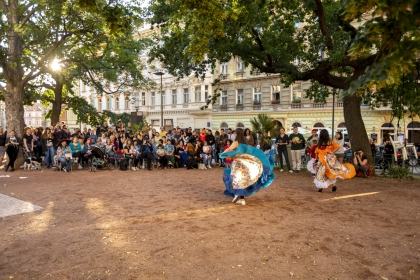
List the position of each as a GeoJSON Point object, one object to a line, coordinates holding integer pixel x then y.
{"type": "Point", "coordinates": [161, 97]}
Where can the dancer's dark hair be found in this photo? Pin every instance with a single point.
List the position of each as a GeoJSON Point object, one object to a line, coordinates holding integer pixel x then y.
{"type": "Point", "coordinates": [324, 138]}
{"type": "Point", "coordinates": [240, 136]}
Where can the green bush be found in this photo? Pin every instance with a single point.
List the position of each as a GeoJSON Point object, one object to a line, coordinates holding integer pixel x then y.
{"type": "Point", "coordinates": [399, 172]}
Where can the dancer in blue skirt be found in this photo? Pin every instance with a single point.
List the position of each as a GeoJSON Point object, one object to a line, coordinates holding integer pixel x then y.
{"type": "Point", "coordinates": [251, 169]}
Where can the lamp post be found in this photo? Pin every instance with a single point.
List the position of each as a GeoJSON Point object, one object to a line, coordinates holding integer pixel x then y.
{"type": "Point", "coordinates": [333, 109]}
{"type": "Point", "coordinates": [161, 97]}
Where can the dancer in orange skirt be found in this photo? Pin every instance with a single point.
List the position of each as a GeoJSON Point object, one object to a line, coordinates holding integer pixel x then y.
{"type": "Point", "coordinates": [327, 168]}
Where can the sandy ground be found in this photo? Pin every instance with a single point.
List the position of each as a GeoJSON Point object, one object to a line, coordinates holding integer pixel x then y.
{"type": "Point", "coordinates": [177, 224]}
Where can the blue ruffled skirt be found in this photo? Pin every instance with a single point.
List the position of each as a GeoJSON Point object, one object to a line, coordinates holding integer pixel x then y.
{"type": "Point", "coordinates": [251, 171]}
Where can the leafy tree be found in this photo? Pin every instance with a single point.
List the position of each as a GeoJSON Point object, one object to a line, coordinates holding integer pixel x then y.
{"type": "Point", "coordinates": [265, 129]}
{"type": "Point", "coordinates": [301, 40]}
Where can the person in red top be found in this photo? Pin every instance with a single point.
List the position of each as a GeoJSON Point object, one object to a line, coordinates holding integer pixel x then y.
{"type": "Point", "coordinates": [311, 152]}
{"type": "Point", "coordinates": [202, 136]}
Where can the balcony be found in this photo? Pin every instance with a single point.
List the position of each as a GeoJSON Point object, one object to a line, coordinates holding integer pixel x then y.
{"type": "Point", "coordinates": [239, 107]}
{"type": "Point", "coordinates": [223, 77]}
{"type": "Point", "coordinates": [256, 73]}
{"type": "Point", "coordinates": [318, 105]}
{"type": "Point", "coordinates": [239, 75]}
{"type": "Point", "coordinates": [339, 104]}
{"type": "Point", "coordinates": [295, 106]}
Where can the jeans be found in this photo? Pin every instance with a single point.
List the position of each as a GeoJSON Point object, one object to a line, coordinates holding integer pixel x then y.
{"type": "Point", "coordinates": [12, 153]}
{"type": "Point", "coordinates": [49, 155]}
{"type": "Point", "coordinates": [296, 159]}
{"type": "Point", "coordinates": [222, 161]}
{"type": "Point", "coordinates": [66, 163]}
{"type": "Point", "coordinates": [206, 159]}
{"type": "Point", "coordinates": [286, 158]}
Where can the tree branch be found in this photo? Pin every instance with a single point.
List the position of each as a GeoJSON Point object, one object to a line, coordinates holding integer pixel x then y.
{"type": "Point", "coordinates": [4, 6]}
{"type": "Point", "coordinates": [259, 42]}
{"type": "Point", "coordinates": [321, 20]}
{"type": "Point", "coordinates": [28, 16]}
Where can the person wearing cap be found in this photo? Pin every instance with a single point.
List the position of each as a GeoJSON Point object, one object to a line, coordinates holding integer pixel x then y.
{"type": "Point", "coordinates": [47, 143]}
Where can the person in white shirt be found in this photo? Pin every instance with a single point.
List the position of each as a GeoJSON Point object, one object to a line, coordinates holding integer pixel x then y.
{"type": "Point", "coordinates": [231, 136]}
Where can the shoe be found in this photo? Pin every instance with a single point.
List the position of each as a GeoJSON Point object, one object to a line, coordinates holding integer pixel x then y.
{"type": "Point", "coordinates": [23, 166]}
{"type": "Point", "coordinates": [80, 167]}
{"type": "Point", "coordinates": [7, 167]}
{"type": "Point", "coordinates": [205, 167]}
{"type": "Point", "coordinates": [149, 169]}
{"type": "Point", "coordinates": [235, 198]}
{"type": "Point", "coordinates": [241, 201]}
{"type": "Point", "coordinates": [209, 166]}
{"type": "Point", "coordinates": [65, 170]}
{"type": "Point", "coordinates": [133, 168]}
{"type": "Point", "coordinates": [290, 171]}
{"type": "Point", "coordinates": [334, 188]}
{"type": "Point", "coordinates": [137, 168]}
{"type": "Point", "coordinates": [297, 171]}
{"type": "Point", "coordinates": [319, 190]}
{"type": "Point", "coordinates": [281, 170]}
{"type": "Point", "coordinates": [48, 166]}
{"type": "Point", "coordinates": [12, 169]}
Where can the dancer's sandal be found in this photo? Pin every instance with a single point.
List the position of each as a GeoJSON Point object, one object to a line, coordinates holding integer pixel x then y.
{"type": "Point", "coordinates": [334, 188]}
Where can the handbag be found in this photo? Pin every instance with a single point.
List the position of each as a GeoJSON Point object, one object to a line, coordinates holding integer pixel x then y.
{"type": "Point", "coordinates": [201, 166]}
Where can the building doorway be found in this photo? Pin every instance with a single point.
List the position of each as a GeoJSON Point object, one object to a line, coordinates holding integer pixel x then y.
{"type": "Point", "coordinates": [386, 129]}
{"type": "Point", "coordinates": [413, 130]}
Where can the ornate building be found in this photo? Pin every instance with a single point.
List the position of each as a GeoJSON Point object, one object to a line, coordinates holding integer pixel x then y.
{"type": "Point", "coordinates": [35, 115]}
{"type": "Point", "coordinates": [246, 93]}
{"type": "Point", "coordinates": [181, 99]}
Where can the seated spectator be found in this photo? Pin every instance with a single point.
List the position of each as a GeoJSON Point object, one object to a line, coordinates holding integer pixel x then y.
{"type": "Point", "coordinates": [199, 150]}
{"type": "Point", "coordinates": [169, 150]}
{"type": "Point", "coordinates": [99, 143]}
{"type": "Point", "coordinates": [147, 153]}
{"type": "Point", "coordinates": [360, 163]}
{"type": "Point", "coordinates": [130, 153]}
{"type": "Point", "coordinates": [76, 150]}
{"type": "Point", "coordinates": [64, 155]}
{"type": "Point", "coordinates": [191, 157]}
{"type": "Point", "coordinates": [137, 151]}
{"type": "Point", "coordinates": [110, 150]}
{"type": "Point", "coordinates": [206, 155]}
{"type": "Point", "coordinates": [179, 154]}
{"type": "Point", "coordinates": [82, 147]}
{"type": "Point", "coordinates": [161, 157]}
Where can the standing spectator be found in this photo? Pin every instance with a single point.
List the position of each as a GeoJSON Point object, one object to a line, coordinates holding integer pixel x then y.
{"type": "Point", "coordinates": [162, 132]}
{"type": "Point", "coordinates": [360, 163]}
{"type": "Point", "coordinates": [169, 150]}
{"type": "Point", "coordinates": [47, 142]}
{"type": "Point", "coordinates": [372, 148]}
{"type": "Point", "coordinates": [147, 150]}
{"type": "Point", "coordinates": [230, 135]}
{"type": "Point", "coordinates": [282, 141]}
{"type": "Point", "coordinates": [249, 138]}
{"type": "Point", "coordinates": [340, 152]}
{"type": "Point", "coordinates": [202, 136]}
{"type": "Point", "coordinates": [210, 138]}
{"type": "Point", "coordinates": [28, 145]}
{"type": "Point", "coordinates": [314, 136]}
{"type": "Point", "coordinates": [298, 142]}
{"type": "Point", "coordinates": [221, 143]}
{"type": "Point", "coordinates": [3, 136]}
{"type": "Point", "coordinates": [12, 149]}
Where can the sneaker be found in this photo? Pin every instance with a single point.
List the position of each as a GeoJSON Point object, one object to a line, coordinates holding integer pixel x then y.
{"type": "Point", "coordinates": [209, 166]}
{"type": "Point", "coordinates": [281, 170]}
{"type": "Point", "coordinates": [297, 171]}
{"type": "Point", "coordinates": [235, 198]}
{"type": "Point", "coordinates": [65, 170]}
{"type": "Point", "coordinates": [80, 167]}
{"type": "Point", "coordinates": [133, 168]}
{"type": "Point", "coordinates": [137, 168]}
{"type": "Point", "coordinates": [205, 167]}
{"type": "Point", "coordinates": [23, 166]}
{"type": "Point", "coordinates": [290, 171]}
{"type": "Point", "coordinates": [241, 201]}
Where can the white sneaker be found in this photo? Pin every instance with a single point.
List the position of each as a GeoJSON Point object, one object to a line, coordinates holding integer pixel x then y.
{"type": "Point", "coordinates": [290, 171]}
{"type": "Point", "coordinates": [241, 201]}
{"type": "Point", "coordinates": [209, 166]}
{"type": "Point", "coordinates": [133, 168]}
{"type": "Point", "coordinates": [281, 170]}
{"type": "Point", "coordinates": [235, 198]}
{"type": "Point", "coordinates": [205, 167]}
{"type": "Point", "coordinates": [23, 166]}
{"type": "Point", "coordinates": [137, 168]}
{"type": "Point", "coordinates": [80, 167]}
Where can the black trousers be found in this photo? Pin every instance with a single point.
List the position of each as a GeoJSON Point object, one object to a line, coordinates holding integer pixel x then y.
{"type": "Point", "coordinates": [149, 157]}
{"type": "Point", "coordinates": [286, 158]}
{"type": "Point", "coordinates": [12, 153]}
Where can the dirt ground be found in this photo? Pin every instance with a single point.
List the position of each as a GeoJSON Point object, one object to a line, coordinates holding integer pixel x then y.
{"type": "Point", "coordinates": [177, 224]}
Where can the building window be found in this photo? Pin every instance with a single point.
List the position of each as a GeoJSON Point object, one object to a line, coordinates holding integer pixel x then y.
{"type": "Point", "coordinates": [100, 103]}
{"type": "Point", "coordinates": [198, 94]}
{"type": "Point", "coordinates": [127, 103]}
{"type": "Point", "coordinates": [296, 124]}
{"type": "Point", "coordinates": [224, 68]}
{"type": "Point", "coordinates": [155, 123]}
{"type": "Point", "coordinates": [143, 99]}
{"type": "Point", "coordinates": [93, 103]}
{"type": "Point", "coordinates": [186, 95]}
{"type": "Point", "coordinates": [163, 97]}
{"type": "Point", "coordinates": [276, 93]}
{"type": "Point", "coordinates": [30, 123]}
{"type": "Point", "coordinates": [152, 99]}
{"type": "Point", "coordinates": [240, 96]}
{"type": "Point", "coordinates": [117, 103]}
{"type": "Point", "coordinates": [240, 125]}
{"type": "Point", "coordinates": [36, 122]}
{"type": "Point", "coordinates": [206, 93]}
{"type": "Point", "coordinates": [257, 95]}
{"type": "Point", "coordinates": [297, 93]}
{"type": "Point", "coordinates": [29, 114]}
{"type": "Point", "coordinates": [174, 101]}
{"type": "Point", "coordinates": [109, 104]}
{"type": "Point", "coordinates": [240, 65]}
{"type": "Point", "coordinates": [224, 97]}
{"type": "Point", "coordinates": [224, 126]}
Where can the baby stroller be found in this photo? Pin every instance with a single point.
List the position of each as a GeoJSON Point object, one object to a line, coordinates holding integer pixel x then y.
{"type": "Point", "coordinates": [100, 159]}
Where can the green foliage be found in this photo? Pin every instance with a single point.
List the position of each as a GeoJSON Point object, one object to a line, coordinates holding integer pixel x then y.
{"type": "Point", "coordinates": [399, 172]}
{"type": "Point", "coordinates": [265, 128]}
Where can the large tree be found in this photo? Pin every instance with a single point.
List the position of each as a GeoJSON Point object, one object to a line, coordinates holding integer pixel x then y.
{"type": "Point", "coordinates": [300, 40]}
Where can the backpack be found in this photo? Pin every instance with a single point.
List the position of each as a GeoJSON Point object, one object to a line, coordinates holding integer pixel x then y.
{"type": "Point", "coordinates": [124, 164]}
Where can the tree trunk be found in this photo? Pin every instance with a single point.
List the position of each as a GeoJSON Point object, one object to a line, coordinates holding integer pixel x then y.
{"type": "Point", "coordinates": [14, 114]}
{"type": "Point", "coordinates": [356, 128]}
{"type": "Point", "coordinates": [56, 105]}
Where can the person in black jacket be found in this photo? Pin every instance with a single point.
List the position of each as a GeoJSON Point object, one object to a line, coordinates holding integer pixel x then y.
{"type": "Point", "coordinates": [191, 157]}
{"type": "Point", "coordinates": [147, 153]}
{"type": "Point", "coordinates": [2, 143]}
{"type": "Point", "coordinates": [12, 149]}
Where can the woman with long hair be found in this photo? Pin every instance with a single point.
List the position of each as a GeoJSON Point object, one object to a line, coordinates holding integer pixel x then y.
{"type": "Point", "coordinates": [327, 168]}
{"type": "Point", "coordinates": [249, 138]}
{"type": "Point", "coordinates": [47, 142]}
{"type": "Point", "coordinates": [12, 149]}
{"type": "Point", "coordinates": [340, 152]}
{"type": "Point", "coordinates": [251, 169]}
{"type": "Point", "coordinates": [191, 157]}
